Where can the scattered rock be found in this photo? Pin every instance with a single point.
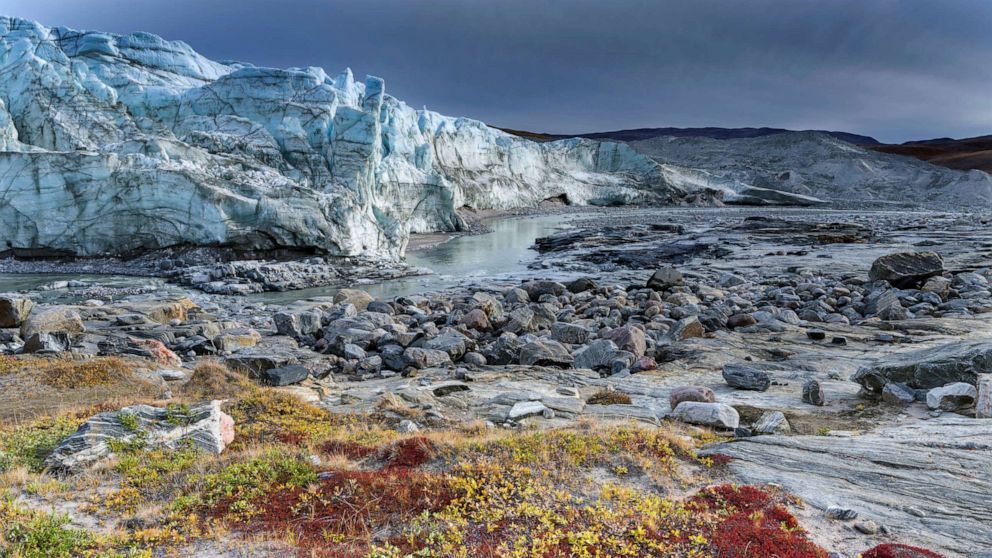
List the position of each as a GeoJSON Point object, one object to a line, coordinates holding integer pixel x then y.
{"type": "Point", "coordinates": [13, 311]}
{"type": "Point", "coordinates": [741, 376]}
{"type": "Point", "coordinates": [952, 397]}
{"type": "Point", "coordinates": [813, 393]}
{"type": "Point", "coordinates": [426, 358]}
{"type": "Point", "coordinates": [52, 319]}
{"type": "Point", "coordinates": [841, 513]}
{"type": "Point", "coordinates": [687, 328]}
{"type": "Point", "coordinates": [897, 394]}
{"type": "Point", "coordinates": [285, 375]}
{"type": "Point", "coordinates": [697, 394]}
{"type": "Point", "coordinates": [359, 298]}
{"type": "Point", "coordinates": [716, 415]}
{"type": "Point", "coordinates": [772, 422]}
{"type": "Point", "coordinates": [523, 409]}
{"type": "Point", "coordinates": [665, 278]}
{"type": "Point", "coordinates": [545, 352]}
{"type": "Point", "coordinates": [906, 269]}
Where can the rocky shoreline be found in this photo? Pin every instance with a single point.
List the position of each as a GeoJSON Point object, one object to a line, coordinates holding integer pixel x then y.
{"type": "Point", "coordinates": [791, 332]}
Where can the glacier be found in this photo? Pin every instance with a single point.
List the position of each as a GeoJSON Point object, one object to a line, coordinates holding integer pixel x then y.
{"type": "Point", "coordinates": [123, 144]}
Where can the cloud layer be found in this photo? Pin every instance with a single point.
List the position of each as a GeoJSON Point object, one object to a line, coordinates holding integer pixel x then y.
{"type": "Point", "coordinates": [896, 70]}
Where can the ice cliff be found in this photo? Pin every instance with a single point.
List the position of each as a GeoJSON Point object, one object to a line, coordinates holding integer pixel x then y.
{"type": "Point", "coordinates": [120, 144]}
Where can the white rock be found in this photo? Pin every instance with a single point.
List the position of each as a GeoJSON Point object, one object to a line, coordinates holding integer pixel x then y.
{"type": "Point", "coordinates": [523, 409]}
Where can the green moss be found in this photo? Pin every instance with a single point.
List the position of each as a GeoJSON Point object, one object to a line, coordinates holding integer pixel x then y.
{"type": "Point", "coordinates": [29, 445]}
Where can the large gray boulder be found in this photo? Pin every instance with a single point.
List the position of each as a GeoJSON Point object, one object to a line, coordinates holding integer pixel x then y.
{"type": "Point", "coordinates": [53, 319]}
{"type": "Point", "coordinates": [717, 415]}
{"type": "Point", "coordinates": [13, 311]}
{"type": "Point", "coordinates": [545, 352]}
{"type": "Point", "coordinates": [958, 361]}
{"type": "Point", "coordinates": [203, 425]}
{"type": "Point", "coordinates": [906, 269]}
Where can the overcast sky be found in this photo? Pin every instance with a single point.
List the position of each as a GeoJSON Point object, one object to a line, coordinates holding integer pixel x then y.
{"type": "Point", "coordinates": [896, 70]}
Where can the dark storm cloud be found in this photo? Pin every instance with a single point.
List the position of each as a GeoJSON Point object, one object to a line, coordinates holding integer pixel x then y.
{"type": "Point", "coordinates": [893, 69]}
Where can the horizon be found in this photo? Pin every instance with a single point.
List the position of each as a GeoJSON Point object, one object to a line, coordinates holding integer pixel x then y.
{"type": "Point", "coordinates": [841, 69]}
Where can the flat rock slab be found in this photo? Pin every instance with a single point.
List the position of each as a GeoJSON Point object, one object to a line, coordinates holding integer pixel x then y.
{"type": "Point", "coordinates": [926, 481]}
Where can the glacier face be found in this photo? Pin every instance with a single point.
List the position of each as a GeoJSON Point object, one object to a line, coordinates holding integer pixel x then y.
{"type": "Point", "coordinates": [120, 144]}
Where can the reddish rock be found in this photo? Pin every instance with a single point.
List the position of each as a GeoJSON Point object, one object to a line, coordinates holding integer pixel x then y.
{"type": "Point", "coordinates": [644, 363]}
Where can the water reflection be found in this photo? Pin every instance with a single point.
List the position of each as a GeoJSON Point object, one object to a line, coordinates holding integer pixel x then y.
{"type": "Point", "coordinates": [504, 251]}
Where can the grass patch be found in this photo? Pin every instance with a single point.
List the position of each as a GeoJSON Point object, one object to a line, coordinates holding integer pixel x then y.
{"type": "Point", "coordinates": [211, 380]}
{"type": "Point", "coordinates": [608, 397]}
{"type": "Point", "coordinates": [29, 445]}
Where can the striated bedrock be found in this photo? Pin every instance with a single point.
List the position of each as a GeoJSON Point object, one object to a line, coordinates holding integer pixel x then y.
{"type": "Point", "coordinates": [118, 144]}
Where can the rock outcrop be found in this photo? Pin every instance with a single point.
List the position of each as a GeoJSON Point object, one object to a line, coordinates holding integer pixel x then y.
{"type": "Point", "coordinates": [122, 144]}
{"type": "Point", "coordinates": [203, 426]}
{"type": "Point", "coordinates": [932, 367]}
{"type": "Point", "coordinates": [927, 482]}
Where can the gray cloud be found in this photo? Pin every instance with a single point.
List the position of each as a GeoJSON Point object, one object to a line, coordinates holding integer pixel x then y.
{"type": "Point", "coordinates": [893, 69]}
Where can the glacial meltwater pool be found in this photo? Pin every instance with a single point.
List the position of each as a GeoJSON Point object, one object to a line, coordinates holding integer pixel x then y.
{"type": "Point", "coordinates": [503, 252]}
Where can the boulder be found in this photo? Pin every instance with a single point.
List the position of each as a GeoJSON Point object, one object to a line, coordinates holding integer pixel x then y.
{"type": "Point", "coordinates": [203, 425]}
{"type": "Point", "coordinates": [983, 405]}
{"type": "Point", "coordinates": [13, 311]}
{"type": "Point", "coordinates": [952, 397]}
{"type": "Point", "coordinates": [741, 320]}
{"type": "Point", "coordinates": [54, 342]}
{"type": "Point", "coordinates": [698, 394]}
{"type": "Point", "coordinates": [297, 324]}
{"type": "Point", "coordinates": [897, 394]}
{"type": "Point", "coordinates": [741, 376]}
{"type": "Point", "coordinates": [52, 319]}
{"type": "Point", "coordinates": [629, 338]}
{"type": "Point", "coordinates": [523, 409]}
{"type": "Point", "coordinates": [906, 269]}
{"type": "Point", "coordinates": [598, 354]}
{"type": "Point", "coordinates": [582, 285]}
{"type": "Point", "coordinates": [476, 319]}
{"type": "Point", "coordinates": [813, 393]}
{"type": "Point", "coordinates": [957, 361]}
{"type": "Point", "coordinates": [256, 363]}
{"type": "Point", "coordinates": [572, 334]}
{"type": "Point", "coordinates": [545, 352]}
{"type": "Point", "coordinates": [359, 298]}
{"type": "Point", "coordinates": [665, 278]}
{"type": "Point", "coordinates": [687, 328]}
{"type": "Point", "coordinates": [451, 342]}
{"type": "Point", "coordinates": [537, 289]}
{"type": "Point", "coordinates": [285, 375]}
{"type": "Point", "coordinates": [772, 422]}
{"type": "Point", "coordinates": [418, 357]}
{"type": "Point", "coordinates": [231, 340]}
{"type": "Point", "coordinates": [716, 415]}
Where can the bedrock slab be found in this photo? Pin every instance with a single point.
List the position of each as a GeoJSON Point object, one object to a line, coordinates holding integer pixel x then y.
{"type": "Point", "coordinates": [926, 481]}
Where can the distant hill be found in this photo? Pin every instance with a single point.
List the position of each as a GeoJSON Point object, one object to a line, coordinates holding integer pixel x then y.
{"type": "Point", "coordinates": [961, 154]}
{"type": "Point", "coordinates": [639, 134]}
